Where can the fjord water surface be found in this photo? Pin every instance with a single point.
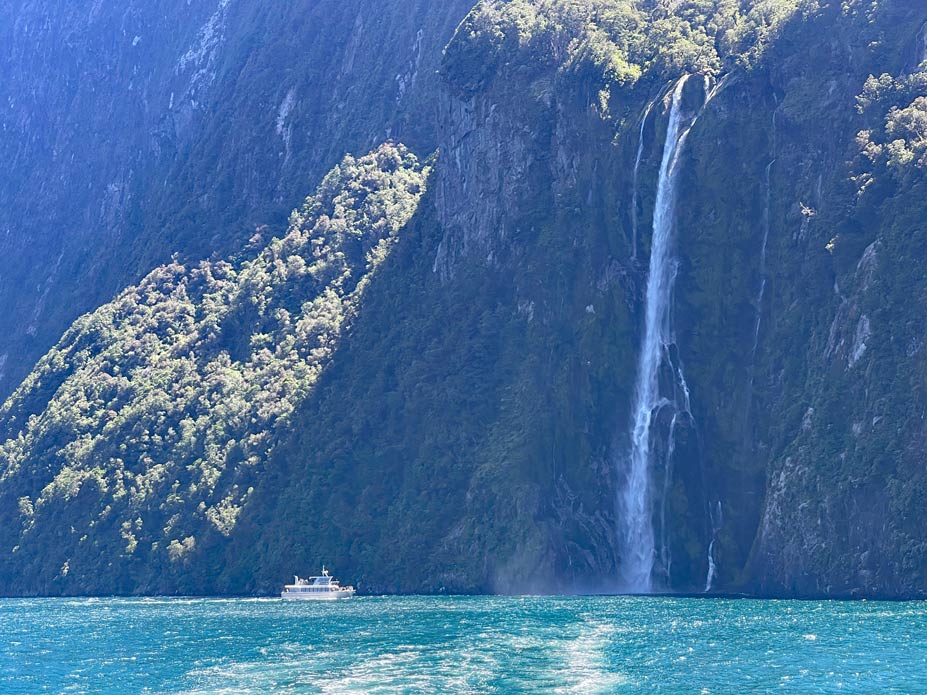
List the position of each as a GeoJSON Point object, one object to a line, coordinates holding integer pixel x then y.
{"type": "Point", "coordinates": [461, 645]}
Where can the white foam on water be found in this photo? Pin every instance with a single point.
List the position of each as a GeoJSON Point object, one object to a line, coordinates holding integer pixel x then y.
{"type": "Point", "coordinates": [584, 667]}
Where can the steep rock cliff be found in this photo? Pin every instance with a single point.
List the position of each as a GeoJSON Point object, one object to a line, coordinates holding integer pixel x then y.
{"type": "Point", "coordinates": [133, 445]}
{"type": "Point", "coordinates": [471, 429]}
{"type": "Point", "coordinates": [134, 131]}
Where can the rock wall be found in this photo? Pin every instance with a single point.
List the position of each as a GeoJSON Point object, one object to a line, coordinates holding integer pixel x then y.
{"type": "Point", "coordinates": [133, 132]}
{"type": "Point", "coordinates": [470, 432]}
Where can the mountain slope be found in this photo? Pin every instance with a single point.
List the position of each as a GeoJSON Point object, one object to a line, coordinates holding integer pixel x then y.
{"type": "Point", "coordinates": [137, 130]}
{"type": "Point", "coordinates": [145, 429]}
{"type": "Point", "coordinates": [464, 417]}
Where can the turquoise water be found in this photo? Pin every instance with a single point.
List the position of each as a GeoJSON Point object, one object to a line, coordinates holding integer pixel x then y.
{"type": "Point", "coordinates": [461, 645]}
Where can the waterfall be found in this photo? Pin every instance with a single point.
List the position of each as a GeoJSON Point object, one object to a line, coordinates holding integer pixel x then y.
{"type": "Point", "coordinates": [666, 558]}
{"type": "Point", "coordinates": [637, 166]}
{"type": "Point", "coordinates": [637, 538]}
{"type": "Point", "coordinates": [761, 291]}
{"type": "Point", "coordinates": [717, 520]}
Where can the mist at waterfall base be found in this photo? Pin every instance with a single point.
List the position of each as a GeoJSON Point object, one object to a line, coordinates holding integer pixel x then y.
{"type": "Point", "coordinates": [485, 645]}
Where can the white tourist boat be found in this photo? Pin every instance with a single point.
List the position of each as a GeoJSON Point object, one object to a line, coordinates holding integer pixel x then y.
{"type": "Point", "coordinates": [322, 588]}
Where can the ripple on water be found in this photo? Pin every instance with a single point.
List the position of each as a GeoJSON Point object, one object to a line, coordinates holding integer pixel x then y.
{"type": "Point", "coordinates": [413, 645]}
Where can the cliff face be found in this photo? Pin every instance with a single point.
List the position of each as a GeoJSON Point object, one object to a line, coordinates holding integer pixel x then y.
{"type": "Point", "coordinates": [87, 104]}
{"type": "Point", "coordinates": [790, 221]}
{"type": "Point", "coordinates": [841, 512]}
{"type": "Point", "coordinates": [133, 132]}
{"type": "Point", "coordinates": [148, 424]}
{"type": "Point", "coordinates": [467, 421]}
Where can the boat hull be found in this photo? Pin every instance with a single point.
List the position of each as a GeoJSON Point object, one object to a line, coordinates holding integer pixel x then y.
{"type": "Point", "coordinates": [320, 596]}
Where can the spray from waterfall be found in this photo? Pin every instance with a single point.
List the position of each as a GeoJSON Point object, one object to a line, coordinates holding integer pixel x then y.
{"type": "Point", "coordinates": [637, 538]}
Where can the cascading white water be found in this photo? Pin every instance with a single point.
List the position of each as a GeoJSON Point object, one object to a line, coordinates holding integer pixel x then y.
{"type": "Point", "coordinates": [761, 291]}
{"type": "Point", "coordinates": [637, 538]}
{"type": "Point", "coordinates": [717, 520]}
{"type": "Point", "coordinates": [637, 166]}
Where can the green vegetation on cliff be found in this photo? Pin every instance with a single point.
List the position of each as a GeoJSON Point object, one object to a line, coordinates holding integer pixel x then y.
{"type": "Point", "coordinates": [621, 40]}
{"type": "Point", "coordinates": [846, 487]}
{"type": "Point", "coordinates": [134, 131]}
{"type": "Point", "coordinates": [151, 420]}
{"type": "Point", "coordinates": [437, 383]}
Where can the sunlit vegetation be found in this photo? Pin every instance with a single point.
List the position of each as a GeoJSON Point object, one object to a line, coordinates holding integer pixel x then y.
{"type": "Point", "coordinates": [159, 409]}
{"type": "Point", "coordinates": [462, 432]}
{"type": "Point", "coordinates": [897, 145]}
{"type": "Point", "coordinates": [620, 39]}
